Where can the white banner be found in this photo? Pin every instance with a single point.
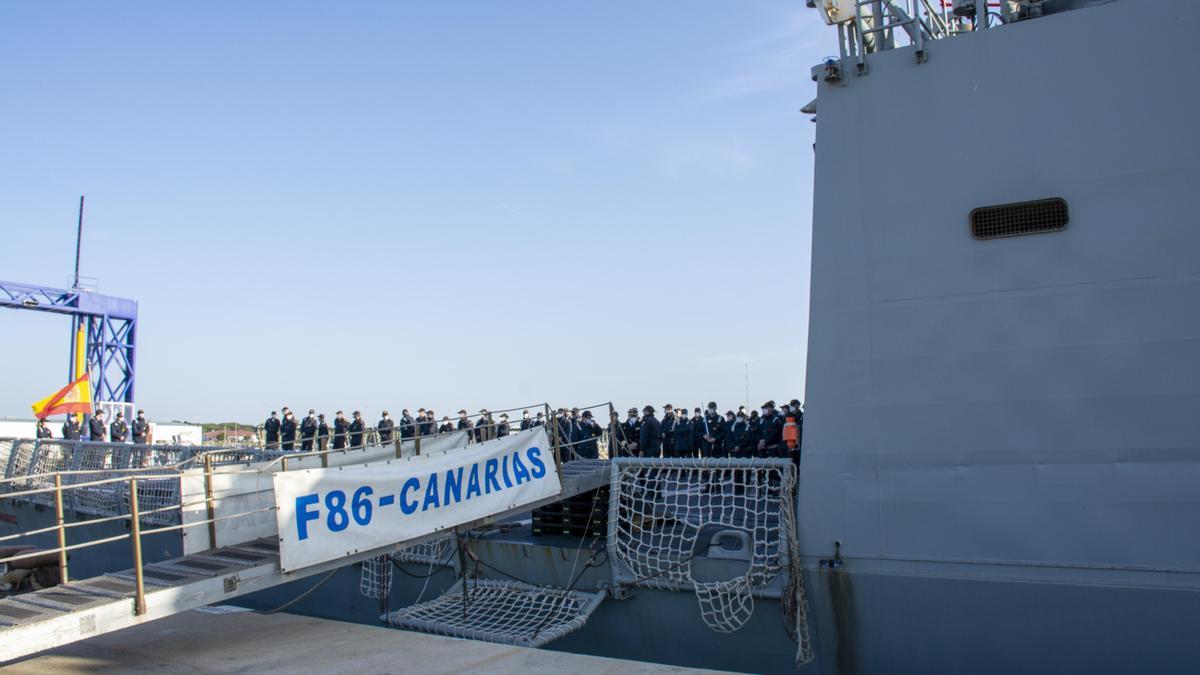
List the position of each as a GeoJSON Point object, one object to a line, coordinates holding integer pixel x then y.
{"type": "Point", "coordinates": [325, 514]}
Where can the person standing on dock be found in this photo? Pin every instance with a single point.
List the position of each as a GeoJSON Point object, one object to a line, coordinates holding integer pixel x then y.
{"type": "Point", "coordinates": [118, 431]}
{"type": "Point", "coordinates": [322, 433]}
{"type": "Point", "coordinates": [356, 430]}
{"type": "Point", "coordinates": [287, 430]}
{"type": "Point", "coordinates": [271, 429]}
{"type": "Point", "coordinates": [340, 427]}
{"type": "Point", "coordinates": [96, 427]}
{"type": "Point", "coordinates": [385, 426]}
{"type": "Point", "coordinates": [308, 431]}
{"type": "Point", "coordinates": [43, 431]}
{"type": "Point", "coordinates": [140, 428]}
{"type": "Point", "coordinates": [71, 429]}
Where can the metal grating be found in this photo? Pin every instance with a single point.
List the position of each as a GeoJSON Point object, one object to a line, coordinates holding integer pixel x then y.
{"type": "Point", "coordinates": [1014, 220]}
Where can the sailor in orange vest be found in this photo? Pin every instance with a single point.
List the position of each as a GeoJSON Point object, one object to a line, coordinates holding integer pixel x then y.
{"type": "Point", "coordinates": [793, 430]}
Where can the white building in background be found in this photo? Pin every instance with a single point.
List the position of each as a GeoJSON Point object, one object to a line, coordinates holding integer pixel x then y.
{"type": "Point", "coordinates": [160, 432]}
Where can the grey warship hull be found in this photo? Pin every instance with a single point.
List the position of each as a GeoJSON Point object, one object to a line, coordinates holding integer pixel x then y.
{"type": "Point", "coordinates": [1001, 456]}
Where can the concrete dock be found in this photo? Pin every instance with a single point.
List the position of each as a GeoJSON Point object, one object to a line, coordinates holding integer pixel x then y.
{"type": "Point", "coordinates": [232, 640]}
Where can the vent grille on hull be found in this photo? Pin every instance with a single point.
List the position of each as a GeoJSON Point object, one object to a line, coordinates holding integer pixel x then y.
{"type": "Point", "coordinates": [1012, 220]}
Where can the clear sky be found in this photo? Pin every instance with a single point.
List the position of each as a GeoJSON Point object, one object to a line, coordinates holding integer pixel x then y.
{"type": "Point", "coordinates": [398, 204]}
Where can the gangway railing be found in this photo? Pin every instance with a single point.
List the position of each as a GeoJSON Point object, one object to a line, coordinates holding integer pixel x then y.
{"type": "Point", "coordinates": [116, 599]}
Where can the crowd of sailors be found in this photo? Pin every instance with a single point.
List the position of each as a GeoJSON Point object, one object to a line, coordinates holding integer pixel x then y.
{"type": "Point", "coordinates": [768, 432]}
{"type": "Point", "coordinates": [99, 429]}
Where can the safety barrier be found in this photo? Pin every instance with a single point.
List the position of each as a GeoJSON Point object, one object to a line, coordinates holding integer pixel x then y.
{"type": "Point", "coordinates": [141, 484]}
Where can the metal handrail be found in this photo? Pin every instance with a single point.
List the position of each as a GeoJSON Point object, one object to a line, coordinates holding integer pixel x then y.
{"type": "Point", "coordinates": [136, 514]}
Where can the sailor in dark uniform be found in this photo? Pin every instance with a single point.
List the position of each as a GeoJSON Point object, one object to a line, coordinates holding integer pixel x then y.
{"type": "Point", "coordinates": [341, 426]}
{"type": "Point", "coordinates": [308, 431]}
{"type": "Point", "coordinates": [526, 420]}
{"type": "Point", "coordinates": [287, 430]}
{"type": "Point", "coordinates": [483, 427]}
{"type": "Point", "coordinates": [588, 432]}
{"type": "Point", "coordinates": [71, 429]}
{"type": "Point", "coordinates": [668, 430]}
{"type": "Point", "coordinates": [502, 428]}
{"type": "Point", "coordinates": [738, 441]}
{"type": "Point", "coordinates": [538, 421]}
{"type": "Point", "coordinates": [356, 430]}
{"type": "Point", "coordinates": [425, 427]}
{"type": "Point", "coordinates": [385, 426]}
{"type": "Point", "coordinates": [714, 433]}
{"type": "Point", "coordinates": [649, 434]}
{"type": "Point", "coordinates": [43, 431]}
{"type": "Point", "coordinates": [683, 439]}
{"type": "Point", "coordinates": [447, 426]}
{"type": "Point", "coordinates": [408, 426]}
{"type": "Point", "coordinates": [697, 432]}
{"type": "Point", "coordinates": [464, 424]}
{"type": "Point", "coordinates": [96, 427]}
{"type": "Point", "coordinates": [322, 433]}
{"type": "Point", "coordinates": [631, 428]}
{"type": "Point", "coordinates": [271, 429]}
{"type": "Point", "coordinates": [140, 428]}
{"type": "Point", "coordinates": [118, 431]}
{"type": "Point", "coordinates": [770, 432]}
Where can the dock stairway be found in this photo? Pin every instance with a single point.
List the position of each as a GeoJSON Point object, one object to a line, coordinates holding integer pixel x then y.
{"type": "Point", "coordinates": [80, 609]}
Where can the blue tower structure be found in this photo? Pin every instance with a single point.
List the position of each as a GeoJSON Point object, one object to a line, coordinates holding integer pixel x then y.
{"type": "Point", "coordinates": [110, 324]}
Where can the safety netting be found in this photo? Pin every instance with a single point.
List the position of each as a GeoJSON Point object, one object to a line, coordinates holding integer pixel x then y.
{"type": "Point", "coordinates": [375, 580]}
{"type": "Point", "coordinates": [725, 528]}
{"type": "Point", "coordinates": [507, 612]}
{"type": "Point", "coordinates": [435, 552]}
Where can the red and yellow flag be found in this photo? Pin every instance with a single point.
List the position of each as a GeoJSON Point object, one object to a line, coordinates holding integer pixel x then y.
{"type": "Point", "coordinates": [73, 398]}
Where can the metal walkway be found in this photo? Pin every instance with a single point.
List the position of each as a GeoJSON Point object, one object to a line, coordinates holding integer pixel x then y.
{"type": "Point", "coordinates": [36, 621]}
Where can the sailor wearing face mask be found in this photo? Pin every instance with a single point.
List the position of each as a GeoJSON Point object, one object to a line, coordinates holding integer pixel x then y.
{"type": "Point", "coordinates": [668, 430]}
{"type": "Point", "coordinates": [526, 421]}
{"type": "Point", "coordinates": [738, 442]}
{"type": "Point", "coordinates": [632, 429]}
{"type": "Point", "coordinates": [714, 433]}
{"type": "Point", "coordinates": [770, 433]}
{"type": "Point", "coordinates": [683, 435]}
{"type": "Point", "coordinates": [697, 433]}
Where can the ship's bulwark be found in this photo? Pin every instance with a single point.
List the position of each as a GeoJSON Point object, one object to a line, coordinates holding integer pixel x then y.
{"type": "Point", "coordinates": [1002, 433]}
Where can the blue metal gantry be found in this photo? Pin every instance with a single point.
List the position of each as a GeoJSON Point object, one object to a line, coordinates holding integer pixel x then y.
{"type": "Point", "coordinates": [110, 324]}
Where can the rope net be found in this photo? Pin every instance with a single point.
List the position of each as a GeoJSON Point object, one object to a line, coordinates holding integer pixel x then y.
{"type": "Point", "coordinates": [725, 528]}
{"type": "Point", "coordinates": [507, 612]}
{"type": "Point", "coordinates": [376, 578]}
{"type": "Point", "coordinates": [433, 552]}
{"type": "Point", "coordinates": [375, 581]}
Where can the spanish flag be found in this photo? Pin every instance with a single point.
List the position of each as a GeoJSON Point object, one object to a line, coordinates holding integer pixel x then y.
{"type": "Point", "coordinates": [73, 398]}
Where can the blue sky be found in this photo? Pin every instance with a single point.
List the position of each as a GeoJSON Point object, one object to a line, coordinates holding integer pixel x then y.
{"type": "Point", "coordinates": [402, 204]}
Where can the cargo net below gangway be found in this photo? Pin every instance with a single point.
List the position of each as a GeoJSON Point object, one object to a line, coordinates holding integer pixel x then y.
{"type": "Point", "coordinates": [507, 612]}
{"type": "Point", "coordinates": [725, 528]}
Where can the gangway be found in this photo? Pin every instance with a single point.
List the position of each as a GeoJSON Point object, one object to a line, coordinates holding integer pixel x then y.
{"type": "Point", "coordinates": [76, 610]}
